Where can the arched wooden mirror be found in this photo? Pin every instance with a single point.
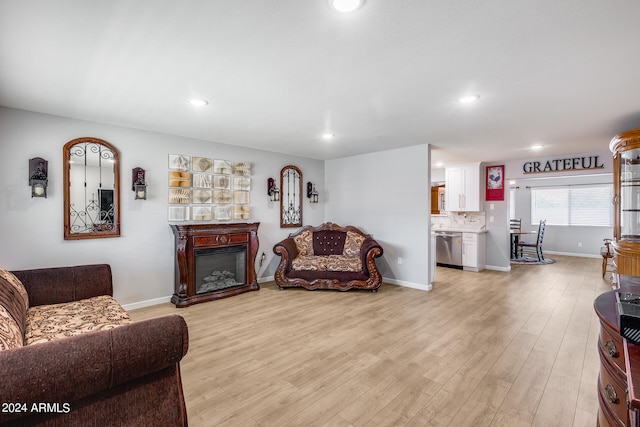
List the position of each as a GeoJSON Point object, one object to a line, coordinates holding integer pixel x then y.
{"type": "Point", "coordinates": [291, 197]}
{"type": "Point", "coordinates": [91, 189]}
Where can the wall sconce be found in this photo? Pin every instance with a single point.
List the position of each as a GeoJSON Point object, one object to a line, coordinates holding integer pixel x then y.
{"type": "Point", "coordinates": [272, 190]}
{"type": "Point", "coordinates": [38, 177]}
{"type": "Point", "coordinates": [139, 185]}
{"type": "Point", "coordinates": [312, 194]}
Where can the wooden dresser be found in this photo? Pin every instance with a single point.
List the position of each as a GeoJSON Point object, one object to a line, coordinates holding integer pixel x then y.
{"type": "Point", "coordinates": [619, 379]}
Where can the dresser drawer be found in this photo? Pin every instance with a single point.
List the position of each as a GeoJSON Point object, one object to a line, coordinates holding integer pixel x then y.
{"type": "Point", "coordinates": [613, 394]}
{"type": "Point", "coordinates": [220, 239]}
{"type": "Point", "coordinates": [611, 349]}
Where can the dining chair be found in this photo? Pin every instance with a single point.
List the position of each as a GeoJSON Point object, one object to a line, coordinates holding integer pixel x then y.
{"type": "Point", "coordinates": [537, 245]}
{"type": "Point", "coordinates": [514, 225]}
{"type": "Point", "coordinates": [607, 257]}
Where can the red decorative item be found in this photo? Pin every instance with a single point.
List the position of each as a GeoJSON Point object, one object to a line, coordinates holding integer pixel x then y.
{"type": "Point", "coordinates": [495, 183]}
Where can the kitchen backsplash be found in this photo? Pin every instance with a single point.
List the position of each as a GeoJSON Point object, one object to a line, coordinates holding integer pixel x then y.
{"type": "Point", "coordinates": [459, 220]}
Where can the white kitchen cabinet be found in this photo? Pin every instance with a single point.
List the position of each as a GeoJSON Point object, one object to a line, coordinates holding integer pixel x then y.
{"type": "Point", "coordinates": [463, 186]}
{"type": "Point", "coordinates": [474, 251]}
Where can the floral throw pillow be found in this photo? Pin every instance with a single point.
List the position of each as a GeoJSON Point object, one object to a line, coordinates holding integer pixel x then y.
{"type": "Point", "coordinates": [304, 243]}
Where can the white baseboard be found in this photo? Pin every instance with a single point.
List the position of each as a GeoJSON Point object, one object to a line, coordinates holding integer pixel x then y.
{"type": "Point", "coordinates": [162, 300]}
{"type": "Point", "coordinates": [573, 254]}
{"type": "Point", "coordinates": [146, 303]}
{"type": "Point", "coordinates": [408, 284]}
{"type": "Point", "coordinates": [496, 268]}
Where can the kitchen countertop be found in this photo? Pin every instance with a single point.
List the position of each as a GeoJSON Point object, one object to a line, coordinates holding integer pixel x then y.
{"type": "Point", "coordinates": [459, 230]}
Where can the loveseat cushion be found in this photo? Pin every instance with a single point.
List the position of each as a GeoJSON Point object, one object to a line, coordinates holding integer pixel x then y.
{"type": "Point", "coordinates": [14, 298]}
{"type": "Point", "coordinates": [304, 243]}
{"type": "Point", "coordinates": [326, 263]}
{"type": "Point", "coordinates": [353, 244]}
{"type": "Point", "coordinates": [10, 333]}
{"type": "Point", "coordinates": [55, 321]}
{"type": "Point", "coordinates": [328, 242]}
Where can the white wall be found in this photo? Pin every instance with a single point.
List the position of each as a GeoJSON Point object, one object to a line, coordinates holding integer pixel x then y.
{"type": "Point", "coordinates": [142, 259]}
{"type": "Point", "coordinates": [386, 194]}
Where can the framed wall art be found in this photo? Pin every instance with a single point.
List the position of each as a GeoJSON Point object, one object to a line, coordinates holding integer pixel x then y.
{"type": "Point", "coordinates": [495, 183]}
{"type": "Point", "coordinates": [206, 189]}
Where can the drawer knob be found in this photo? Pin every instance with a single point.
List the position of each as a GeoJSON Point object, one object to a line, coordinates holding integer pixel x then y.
{"type": "Point", "coordinates": [611, 394]}
{"type": "Point", "coordinates": [611, 348]}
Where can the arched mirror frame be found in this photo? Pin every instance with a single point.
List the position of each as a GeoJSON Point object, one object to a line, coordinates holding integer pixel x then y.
{"type": "Point", "coordinates": [290, 193]}
{"type": "Point", "coordinates": [100, 231]}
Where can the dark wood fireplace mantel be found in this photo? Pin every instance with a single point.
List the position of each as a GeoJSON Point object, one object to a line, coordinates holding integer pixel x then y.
{"type": "Point", "coordinates": [199, 240]}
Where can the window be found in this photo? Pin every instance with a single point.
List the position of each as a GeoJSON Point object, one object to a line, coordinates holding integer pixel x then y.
{"type": "Point", "coordinates": [588, 205]}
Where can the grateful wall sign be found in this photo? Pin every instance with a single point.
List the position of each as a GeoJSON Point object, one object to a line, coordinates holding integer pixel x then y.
{"type": "Point", "coordinates": [563, 165]}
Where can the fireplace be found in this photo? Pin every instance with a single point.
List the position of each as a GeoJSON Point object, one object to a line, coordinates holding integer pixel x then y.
{"type": "Point", "coordinates": [220, 268]}
{"type": "Point", "coordinates": [214, 261]}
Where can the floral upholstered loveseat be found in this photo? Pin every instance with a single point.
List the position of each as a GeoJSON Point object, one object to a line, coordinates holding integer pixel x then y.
{"type": "Point", "coordinates": [70, 355]}
{"type": "Point", "coordinates": [328, 257]}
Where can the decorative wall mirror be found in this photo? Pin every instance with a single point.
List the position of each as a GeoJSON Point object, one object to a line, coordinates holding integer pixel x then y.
{"type": "Point", "coordinates": [291, 197]}
{"type": "Point", "coordinates": [91, 189]}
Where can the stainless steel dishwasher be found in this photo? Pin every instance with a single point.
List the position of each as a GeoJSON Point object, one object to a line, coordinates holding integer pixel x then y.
{"type": "Point", "coordinates": [449, 249]}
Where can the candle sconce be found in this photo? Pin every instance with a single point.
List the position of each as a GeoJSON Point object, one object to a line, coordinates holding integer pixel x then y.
{"type": "Point", "coordinates": [139, 185]}
{"type": "Point", "coordinates": [312, 194]}
{"type": "Point", "coordinates": [272, 190]}
{"type": "Point", "coordinates": [38, 177]}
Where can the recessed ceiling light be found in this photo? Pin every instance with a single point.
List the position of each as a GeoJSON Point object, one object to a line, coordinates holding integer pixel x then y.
{"type": "Point", "coordinates": [198, 102]}
{"type": "Point", "coordinates": [328, 136]}
{"type": "Point", "coordinates": [346, 5]}
{"type": "Point", "coordinates": [468, 99]}
{"type": "Point", "coordinates": [439, 164]}
{"type": "Point", "coordinates": [537, 147]}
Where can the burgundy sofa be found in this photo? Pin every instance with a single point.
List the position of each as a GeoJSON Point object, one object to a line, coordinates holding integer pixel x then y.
{"type": "Point", "coordinates": [112, 373]}
{"type": "Point", "coordinates": [328, 257]}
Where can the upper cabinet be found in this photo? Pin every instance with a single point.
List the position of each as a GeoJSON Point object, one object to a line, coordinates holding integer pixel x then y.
{"type": "Point", "coordinates": [626, 201]}
{"type": "Point", "coordinates": [463, 188]}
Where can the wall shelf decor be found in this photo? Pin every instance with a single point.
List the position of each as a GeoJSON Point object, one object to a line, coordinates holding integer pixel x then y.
{"type": "Point", "coordinates": [206, 189]}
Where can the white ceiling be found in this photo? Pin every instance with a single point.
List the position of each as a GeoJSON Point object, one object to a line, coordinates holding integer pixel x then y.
{"type": "Point", "coordinates": [279, 73]}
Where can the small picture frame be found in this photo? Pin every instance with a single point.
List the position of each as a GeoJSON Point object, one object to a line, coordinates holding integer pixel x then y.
{"type": "Point", "coordinates": [179, 196]}
{"type": "Point", "coordinates": [202, 196]}
{"type": "Point", "coordinates": [222, 166]}
{"type": "Point", "coordinates": [221, 196]}
{"type": "Point", "coordinates": [242, 168]}
{"type": "Point", "coordinates": [241, 212]}
{"type": "Point", "coordinates": [201, 213]}
{"type": "Point", "coordinates": [178, 213]}
{"type": "Point", "coordinates": [201, 164]}
{"type": "Point", "coordinates": [495, 183]}
{"type": "Point", "coordinates": [201, 180]}
{"type": "Point", "coordinates": [179, 162]}
{"type": "Point", "coordinates": [222, 213]}
{"type": "Point", "coordinates": [241, 197]}
{"type": "Point", "coordinates": [241, 183]}
{"type": "Point", "coordinates": [179, 179]}
{"type": "Point", "coordinates": [221, 182]}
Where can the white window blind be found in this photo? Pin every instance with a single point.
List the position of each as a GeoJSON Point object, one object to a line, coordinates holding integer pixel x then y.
{"type": "Point", "coordinates": [588, 205]}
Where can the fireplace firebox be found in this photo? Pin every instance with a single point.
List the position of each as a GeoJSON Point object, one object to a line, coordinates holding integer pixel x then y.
{"type": "Point", "coordinates": [214, 261]}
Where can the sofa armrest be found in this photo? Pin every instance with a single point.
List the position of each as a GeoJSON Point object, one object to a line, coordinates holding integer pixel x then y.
{"type": "Point", "coordinates": [70, 369]}
{"type": "Point", "coordinates": [288, 250]}
{"type": "Point", "coordinates": [370, 248]}
{"type": "Point", "coordinates": [66, 284]}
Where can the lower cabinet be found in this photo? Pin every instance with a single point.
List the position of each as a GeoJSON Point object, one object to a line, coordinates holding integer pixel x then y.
{"type": "Point", "coordinates": [474, 251]}
{"type": "Point", "coordinates": [613, 380]}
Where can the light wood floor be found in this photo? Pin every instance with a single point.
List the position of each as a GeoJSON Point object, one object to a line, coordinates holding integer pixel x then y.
{"type": "Point", "coordinates": [481, 349]}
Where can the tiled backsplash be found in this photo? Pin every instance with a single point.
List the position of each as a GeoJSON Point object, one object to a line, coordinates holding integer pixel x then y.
{"type": "Point", "coordinates": [461, 220]}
